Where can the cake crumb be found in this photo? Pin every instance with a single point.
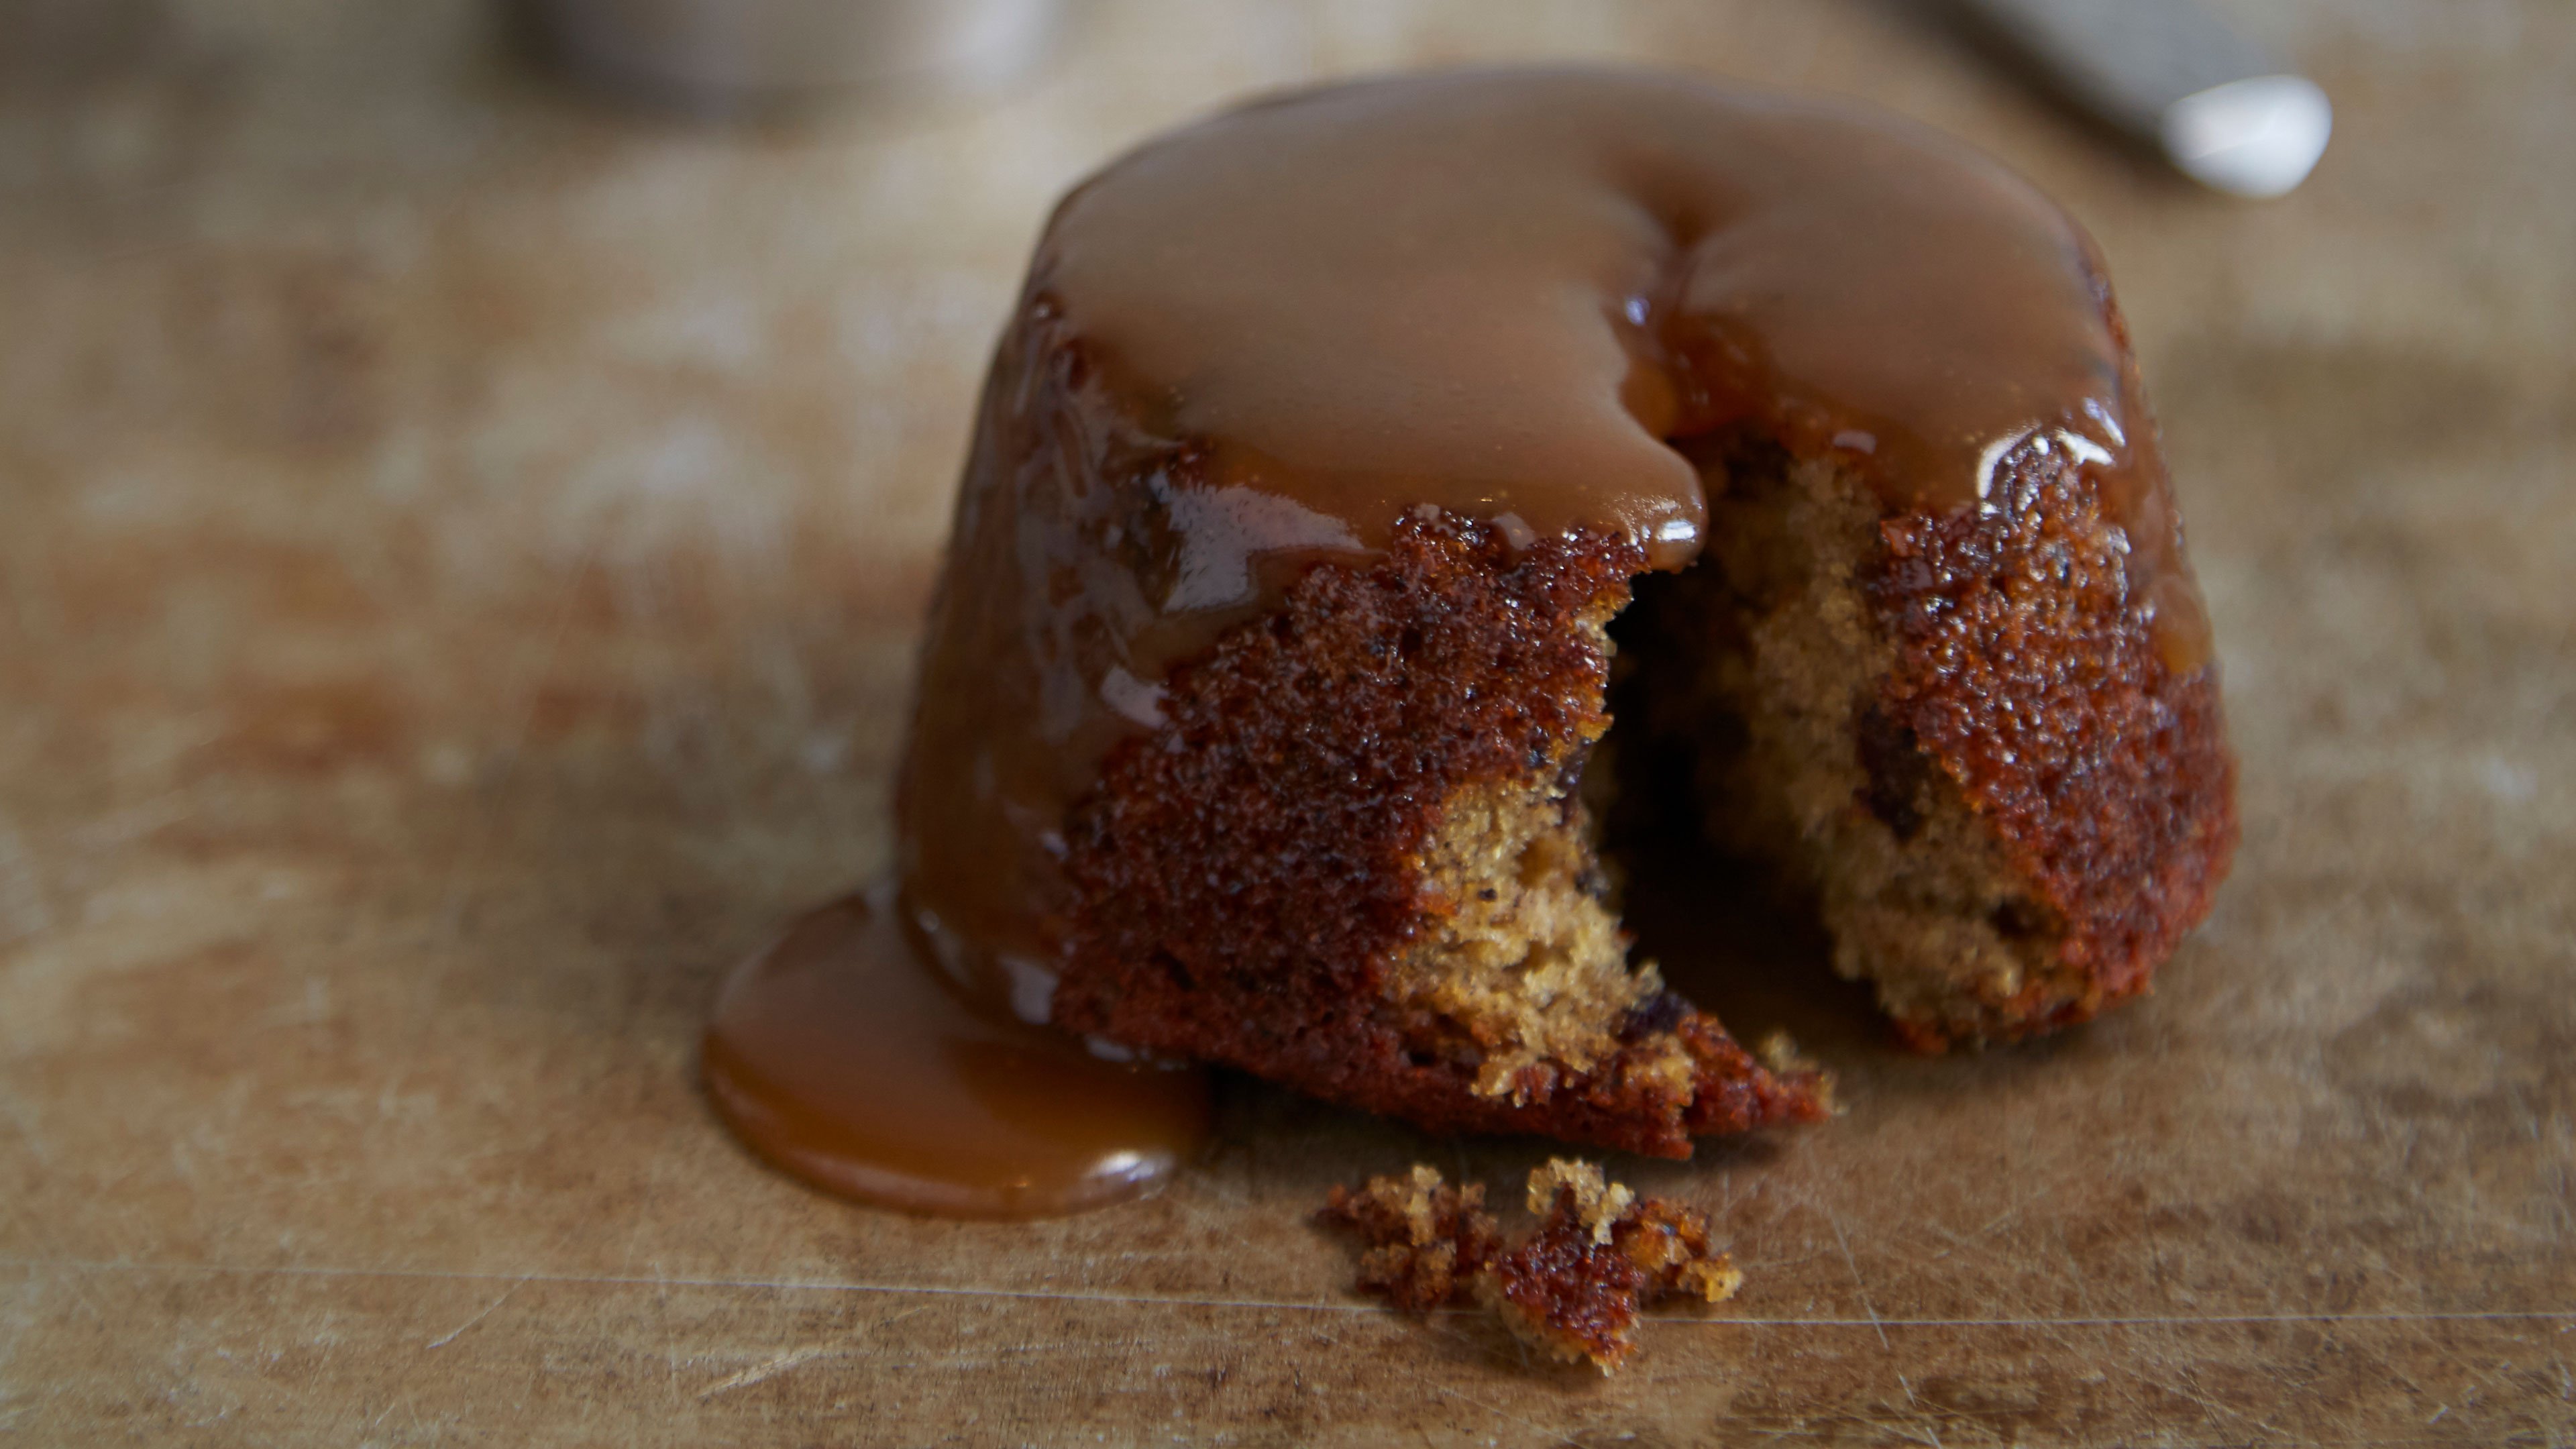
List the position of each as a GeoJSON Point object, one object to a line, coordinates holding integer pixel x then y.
{"type": "Point", "coordinates": [1427, 1240]}
{"type": "Point", "coordinates": [1572, 1285]}
{"type": "Point", "coordinates": [1780, 1055]}
{"type": "Point", "coordinates": [1597, 1202]}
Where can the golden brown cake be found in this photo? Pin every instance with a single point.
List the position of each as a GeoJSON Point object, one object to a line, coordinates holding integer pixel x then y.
{"type": "Point", "coordinates": [1353, 458]}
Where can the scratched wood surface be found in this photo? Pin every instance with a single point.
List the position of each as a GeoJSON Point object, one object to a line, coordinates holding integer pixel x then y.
{"type": "Point", "coordinates": [460, 548]}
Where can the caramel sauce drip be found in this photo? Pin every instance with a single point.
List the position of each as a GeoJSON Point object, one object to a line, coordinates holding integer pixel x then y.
{"type": "Point", "coordinates": [847, 1056]}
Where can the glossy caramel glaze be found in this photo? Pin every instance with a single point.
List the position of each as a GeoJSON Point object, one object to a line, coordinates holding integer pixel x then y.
{"type": "Point", "coordinates": [845, 1055]}
{"type": "Point", "coordinates": [1505, 293]}
{"type": "Point", "coordinates": [1271, 338]}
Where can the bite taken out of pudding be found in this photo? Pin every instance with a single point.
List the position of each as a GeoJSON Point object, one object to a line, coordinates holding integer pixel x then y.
{"type": "Point", "coordinates": [1350, 455]}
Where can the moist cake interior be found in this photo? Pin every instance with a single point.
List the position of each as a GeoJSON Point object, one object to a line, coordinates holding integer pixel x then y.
{"type": "Point", "coordinates": [1741, 703]}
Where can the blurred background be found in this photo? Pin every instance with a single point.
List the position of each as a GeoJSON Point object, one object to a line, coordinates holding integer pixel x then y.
{"type": "Point", "coordinates": [468, 484]}
{"type": "Point", "coordinates": [396, 296]}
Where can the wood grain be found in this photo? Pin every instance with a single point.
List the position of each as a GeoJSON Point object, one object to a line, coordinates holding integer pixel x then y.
{"type": "Point", "coordinates": [462, 545]}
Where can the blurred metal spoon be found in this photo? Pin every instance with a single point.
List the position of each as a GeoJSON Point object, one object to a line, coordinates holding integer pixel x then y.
{"type": "Point", "coordinates": [2174, 75]}
{"type": "Point", "coordinates": [727, 55]}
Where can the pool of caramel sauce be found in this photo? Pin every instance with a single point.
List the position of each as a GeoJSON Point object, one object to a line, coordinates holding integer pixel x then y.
{"type": "Point", "coordinates": [848, 1054]}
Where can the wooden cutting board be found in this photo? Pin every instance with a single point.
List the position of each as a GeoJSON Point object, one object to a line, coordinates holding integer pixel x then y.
{"type": "Point", "coordinates": [460, 550]}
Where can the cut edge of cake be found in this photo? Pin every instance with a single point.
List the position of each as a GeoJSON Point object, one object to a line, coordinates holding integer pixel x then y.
{"type": "Point", "coordinates": [1359, 859]}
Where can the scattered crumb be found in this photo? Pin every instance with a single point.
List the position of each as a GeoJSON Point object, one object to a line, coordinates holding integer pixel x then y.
{"type": "Point", "coordinates": [1578, 1187]}
{"type": "Point", "coordinates": [1428, 1240]}
{"type": "Point", "coordinates": [1779, 1055]}
{"type": "Point", "coordinates": [1572, 1285]}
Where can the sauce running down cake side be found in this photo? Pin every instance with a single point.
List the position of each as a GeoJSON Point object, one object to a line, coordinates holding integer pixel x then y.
{"type": "Point", "coordinates": [1352, 457]}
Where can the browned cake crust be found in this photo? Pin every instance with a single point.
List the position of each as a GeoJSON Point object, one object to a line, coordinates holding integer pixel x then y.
{"type": "Point", "coordinates": [1960, 736]}
{"type": "Point", "coordinates": [1247, 877]}
{"type": "Point", "coordinates": [2027, 671]}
